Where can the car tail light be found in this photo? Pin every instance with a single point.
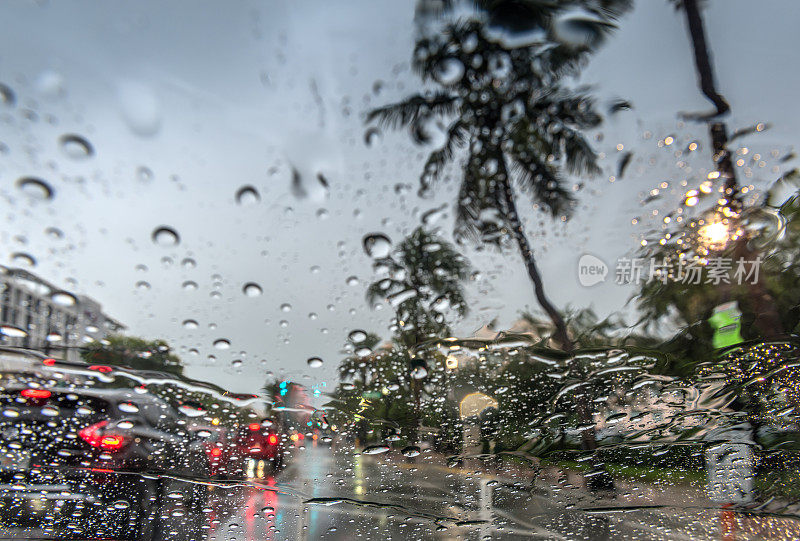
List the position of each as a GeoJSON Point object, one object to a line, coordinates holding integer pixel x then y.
{"type": "Point", "coordinates": [272, 439]}
{"type": "Point", "coordinates": [216, 452]}
{"type": "Point", "coordinates": [49, 362]}
{"type": "Point", "coordinates": [96, 437]}
{"type": "Point", "coordinates": [100, 368]}
{"type": "Point", "coordinates": [37, 394]}
{"type": "Point", "coordinates": [254, 426]}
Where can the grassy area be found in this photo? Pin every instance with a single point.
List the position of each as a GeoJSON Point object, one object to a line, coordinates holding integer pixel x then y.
{"type": "Point", "coordinates": [782, 485]}
{"type": "Point", "coordinates": [637, 473]}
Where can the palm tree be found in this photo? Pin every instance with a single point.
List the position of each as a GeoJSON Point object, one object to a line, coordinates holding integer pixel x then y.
{"type": "Point", "coordinates": [424, 282]}
{"type": "Point", "coordinates": [425, 276]}
{"type": "Point", "coordinates": [521, 128]}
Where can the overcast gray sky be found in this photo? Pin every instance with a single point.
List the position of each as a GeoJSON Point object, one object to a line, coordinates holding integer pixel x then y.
{"type": "Point", "coordinates": [186, 102]}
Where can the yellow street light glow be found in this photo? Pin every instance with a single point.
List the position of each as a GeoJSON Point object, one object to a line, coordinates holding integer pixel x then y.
{"type": "Point", "coordinates": [715, 235]}
{"type": "Point", "coordinates": [451, 362]}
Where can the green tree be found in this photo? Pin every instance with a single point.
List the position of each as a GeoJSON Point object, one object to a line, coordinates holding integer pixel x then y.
{"type": "Point", "coordinates": [425, 276]}
{"type": "Point", "coordinates": [520, 124]}
{"type": "Point", "coordinates": [424, 283]}
{"type": "Point", "coordinates": [133, 352]}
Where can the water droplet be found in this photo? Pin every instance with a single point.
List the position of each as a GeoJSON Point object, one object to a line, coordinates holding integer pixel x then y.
{"type": "Point", "coordinates": [50, 411]}
{"type": "Point", "coordinates": [222, 343]}
{"type": "Point", "coordinates": [13, 332]}
{"type": "Point", "coordinates": [283, 323]}
{"type": "Point", "coordinates": [189, 285]}
{"type": "Point", "coordinates": [357, 336]}
{"type": "Point", "coordinates": [76, 147]}
{"type": "Point", "coordinates": [128, 407]}
{"type": "Point", "coordinates": [50, 84]}
{"type": "Point", "coordinates": [165, 236]}
{"type": "Point", "coordinates": [190, 324]}
{"type": "Point", "coordinates": [315, 269]}
{"type": "Point", "coordinates": [420, 372]}
{"type": "Point", "coordinates": [312, 316]}
{"type": "Point", "coordinates": [236, 363]}
{"type": "Point", "coordinates": [10, 412]}
{"type": "Point", "coordinates": [377, 245]}
{"type": "Point", "coordinates": [286, 307]}
{"type": "Point", "coordinates": [54, 232]}
{"type": "Point", "coordinates": [252, 289]}
{"type": "Point", "coordinates": [314, 362]}
{"type": "Point", "coordinates": [22, 259]}
{"type": "Point", "coordinates": [7, 96]}
{"type": "Point", "coordinates": [449, 71]}
{"type": "Point", "coordinates": [63, 298]}
{"type": "Point", "coordinates": [352, 281]}
{"type": "Point", "coordinates": [120, 504]}
{"type": "Point", "coordinates": [411, 451]}
{"type": "Point", "coordinates": [372, 136]}
{"type": "Point", "coordinates": [323, 214]}
{"type": "Point", "coordinates": [363, 351]}
{"type": "Point", "coordinates": [35, 188]}
{"type": "Point", "coordinates": [247, 195]}
{"type": "Point", "coordinates": [140, 108]}
{"type": "Point", "coordinates": [191, 411]}
{"type": "Point", "coordinates": [375, 449]}
{"type": "Point", "coordinates": [144, 174]}
{"type": "Point", "coordinates": [188, 263]}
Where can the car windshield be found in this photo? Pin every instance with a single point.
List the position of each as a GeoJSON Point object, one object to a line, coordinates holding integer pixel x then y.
{"type": "Point", "coordinates": [419, 269]}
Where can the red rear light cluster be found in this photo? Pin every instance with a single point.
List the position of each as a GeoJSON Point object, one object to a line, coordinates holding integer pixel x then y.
{"type": "Point", "coordinates": [254, 426]}
{"type": "Point", "coordinates": [96, 437]}
{"type": "Point", "coordinates": [36, 394]}
{"type": "Point", "coordinates": [272, 439]}
{"type": "Point", "coordinates": [216, 452]}
{"type": "Point", "coordinates": [100, 368]}
{"type": "Point", "coordinates": [49, 362]}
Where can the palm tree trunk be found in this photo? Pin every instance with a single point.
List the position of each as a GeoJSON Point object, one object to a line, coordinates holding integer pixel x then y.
{"type": "Point", "coordinates": [514, 222]}
{"type": "Point", "coordinates": [768, 321]}
{"type": "Point", "coordinates": [702, 56]}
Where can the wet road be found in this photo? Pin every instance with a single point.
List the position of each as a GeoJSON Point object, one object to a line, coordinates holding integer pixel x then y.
{"type": "Point", "coordinates": [344, 495]}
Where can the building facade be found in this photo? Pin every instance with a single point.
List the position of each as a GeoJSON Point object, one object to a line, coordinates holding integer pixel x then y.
{"type": "Point", "coordinates": [38, 315]}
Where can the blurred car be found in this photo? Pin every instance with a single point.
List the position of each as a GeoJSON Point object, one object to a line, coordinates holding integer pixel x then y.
{"type": "Point", "coordinates": [219, 450]}
{"type": "Point", "coordinates": [260, 449]}
{"type": "Point", "coordinates": [92, 461]}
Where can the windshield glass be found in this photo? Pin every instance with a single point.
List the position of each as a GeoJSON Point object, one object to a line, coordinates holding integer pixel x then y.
{"type": "Point", "coordinates": [423, 269]}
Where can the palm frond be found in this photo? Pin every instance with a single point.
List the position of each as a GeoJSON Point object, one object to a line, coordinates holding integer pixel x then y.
{"type": "Point", "coordinates": [579, 156]}
{"type": "Point", "coordinates": [543, 183]}
{"type": "Point", "coordinates": [411, 110]}
{"type": "Point", "coordinates": [457, 135]}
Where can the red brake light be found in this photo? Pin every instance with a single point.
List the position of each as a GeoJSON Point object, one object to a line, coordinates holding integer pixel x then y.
{"type": "Point", "coordinates": [39, 394]}
{"type": "Point", "coordinates": [215, 452]}
{"type": "Point", "coordinates": [272, 439]}
{"type": "Point", "coordinates": [100, 368]}
{"type": "Point", "coordinates": [254, 426]}
{"type": "Point", "coordinates": [109, 442]}
{"type": "Point", "coordinates": [49, 362]}
{"type": "Point", "coordinates": [300, 436]}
